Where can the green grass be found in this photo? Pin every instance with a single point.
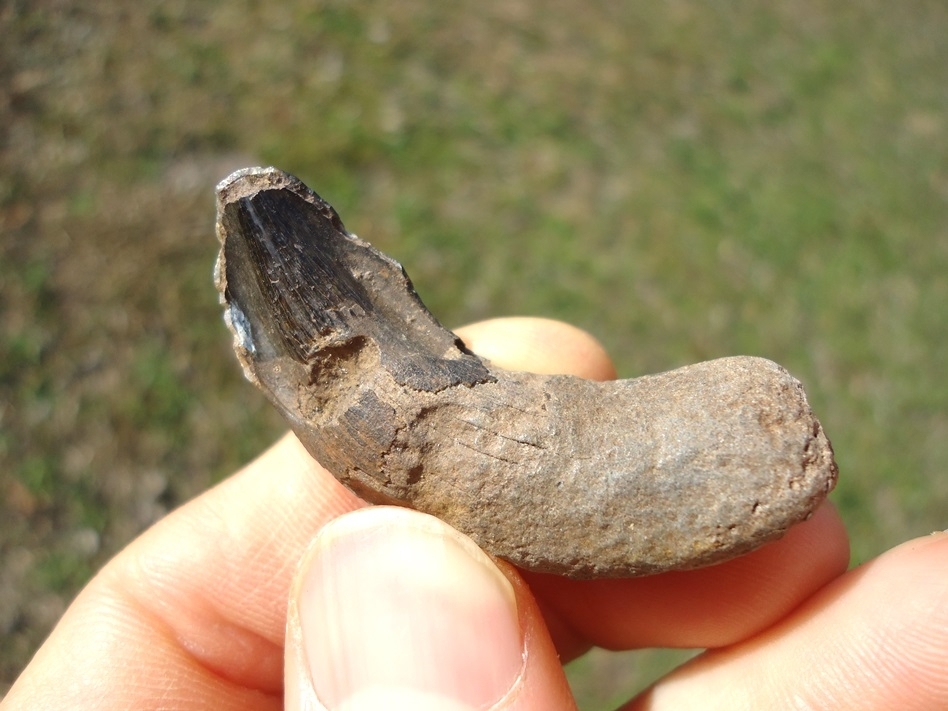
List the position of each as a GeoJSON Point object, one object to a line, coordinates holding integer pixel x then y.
{"type": "Point", "coordinates": [685, 181]}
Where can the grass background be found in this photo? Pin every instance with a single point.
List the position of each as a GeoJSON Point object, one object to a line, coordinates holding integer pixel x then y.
{"type": "Point", "coordinates": [684, 180]}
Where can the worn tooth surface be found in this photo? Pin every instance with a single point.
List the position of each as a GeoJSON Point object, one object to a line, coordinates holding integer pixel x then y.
{"type": "Point", "coordinates": [554, 473]}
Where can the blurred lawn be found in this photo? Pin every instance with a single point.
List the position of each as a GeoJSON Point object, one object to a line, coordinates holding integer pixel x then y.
{"type": "Point", "coordinates": [684, 180]}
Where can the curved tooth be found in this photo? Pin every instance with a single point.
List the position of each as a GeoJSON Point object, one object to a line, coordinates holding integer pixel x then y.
{"type": "Point", "coordinates": [554, 473]}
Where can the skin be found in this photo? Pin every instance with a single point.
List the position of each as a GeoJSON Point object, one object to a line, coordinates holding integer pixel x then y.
{"type": "Point", "coordinates": [194, 613]}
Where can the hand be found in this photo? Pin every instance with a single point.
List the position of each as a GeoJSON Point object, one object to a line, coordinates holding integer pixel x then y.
{"type": "Point", "coordinates": [393, 609]}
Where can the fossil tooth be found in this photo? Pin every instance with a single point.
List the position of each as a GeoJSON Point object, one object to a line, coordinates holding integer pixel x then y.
{"type": "Point", "coordinates": [554, 473]}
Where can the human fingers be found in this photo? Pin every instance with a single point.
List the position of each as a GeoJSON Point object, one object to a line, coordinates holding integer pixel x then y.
{"type": "Point", "coordinates": [198, 602]}
{"type": "Point", "coordinates": [192, 612]}
{"type": "Point", "coordinates": [538, 345]}
{"type": "Point", "coordinates": [395, 609]}
{"type": "Point", "coordinates": [709, 607]}
{"type": "Point", "coordinates": [875, 638]}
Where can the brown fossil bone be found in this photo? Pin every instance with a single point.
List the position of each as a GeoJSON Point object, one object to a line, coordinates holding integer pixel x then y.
{"type": "Point", "coordinates": [553, 473]}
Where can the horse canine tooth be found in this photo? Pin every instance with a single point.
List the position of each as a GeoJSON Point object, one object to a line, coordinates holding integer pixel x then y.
{"type": "Point", "coordinates": [554, 473]}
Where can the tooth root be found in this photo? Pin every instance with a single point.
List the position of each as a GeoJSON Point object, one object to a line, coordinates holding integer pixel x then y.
{"type": "Point", "coordinates": [554, 473]}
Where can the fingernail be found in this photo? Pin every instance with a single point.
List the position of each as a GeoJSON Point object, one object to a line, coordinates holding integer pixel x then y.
{"type": "Point", "coordinates": [398, 602]}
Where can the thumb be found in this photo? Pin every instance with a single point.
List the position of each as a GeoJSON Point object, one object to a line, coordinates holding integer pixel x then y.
{"type": "Point", "coordinates": [394, 609]}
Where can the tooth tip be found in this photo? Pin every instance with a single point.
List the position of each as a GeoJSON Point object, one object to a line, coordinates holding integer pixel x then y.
{"type": "Point", "coordinates": [246, 181]}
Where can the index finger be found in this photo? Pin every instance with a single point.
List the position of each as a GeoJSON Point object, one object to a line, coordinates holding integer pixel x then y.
{"type": "Point", "coordinates": [194, 610]}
